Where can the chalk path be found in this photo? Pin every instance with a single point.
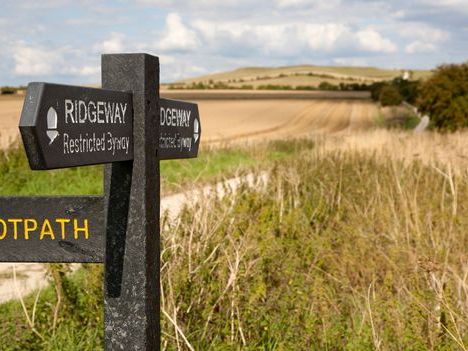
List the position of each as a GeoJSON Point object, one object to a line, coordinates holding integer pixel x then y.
{"type": "Point", "coordinates": [32, 276]}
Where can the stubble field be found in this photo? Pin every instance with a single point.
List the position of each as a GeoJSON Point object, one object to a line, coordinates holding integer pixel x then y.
{"type": "Point", "coordinates": [10, 111]}
{"type": "Point", "coordinates": [251, 116]}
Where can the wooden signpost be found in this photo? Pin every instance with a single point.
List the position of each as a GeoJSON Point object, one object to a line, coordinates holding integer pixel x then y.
{"type": "Point", "coordinates": [127, 126]}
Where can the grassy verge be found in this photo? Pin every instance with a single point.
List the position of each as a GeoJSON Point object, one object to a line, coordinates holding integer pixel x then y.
{"type": "Point", "coordinates": [341, 251]}
{"type": "Point", "coordinates": [16, 178]}
{"type": "Point", "coordinates": [78, 325]}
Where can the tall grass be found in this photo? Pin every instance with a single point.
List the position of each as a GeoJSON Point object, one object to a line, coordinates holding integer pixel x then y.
{"type": "Point", "coordinates": [344, 248]}
{"type": "Point", "coordinates": [344, 252]}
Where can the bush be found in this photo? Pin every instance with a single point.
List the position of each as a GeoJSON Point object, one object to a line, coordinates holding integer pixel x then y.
{"type": "Point", "coordinates": [376, 89]}
{"type": "Point", "coordinates": [327, 86]}
{"type": "Point", "coordinates": [305, 87]}
{"type": "Point", "coordinates": [444, 97]}
{"type": "Point", "coordinates": [7, 90]}
{"type": "Point", "coordinates": [274, 87]}
{"type": "Point", "coordinates": [408, 89]}
{"type": "Point", "coordinates": [390, 96]}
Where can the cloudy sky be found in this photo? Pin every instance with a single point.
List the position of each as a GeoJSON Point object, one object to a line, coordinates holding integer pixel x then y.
{"type": "Point", "coordinates": [61, 40]}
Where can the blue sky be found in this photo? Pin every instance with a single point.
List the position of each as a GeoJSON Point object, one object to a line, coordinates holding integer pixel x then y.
{"type": "Point", "coordinates": [61, 40]}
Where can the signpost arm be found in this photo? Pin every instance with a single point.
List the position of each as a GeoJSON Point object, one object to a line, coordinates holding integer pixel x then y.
{"type": "Point", "coordinates": [132, 191]}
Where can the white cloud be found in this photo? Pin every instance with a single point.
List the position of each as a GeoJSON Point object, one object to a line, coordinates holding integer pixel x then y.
{"type": "Point", "coordinates": [42, 61]}
{"type": "Point", "coordinates": [325, 37]}
{"type": "Point", "coordinates": [316, 4]}
{"type": "Point", "coordinates": [176, 36]}
{"type": "Point", "coordinates": [424, 38]}
{"type": "Point", "coordinates": [173, 68]}
{"type": "Point", "coordinates": [417, 47]}
{"type": "Point", "coordinates": [204, 35]}
{"type": "Point", "coordinates": [372, 40]}
{"type": "Point", "coordinates": [35, 61]}
{"type": "Point", "coordinates": [85, 71]}
{"type": "Point", "coordinates": [114, 44]}
{"type": "Point", "coordinates": [422, 31]}
{"type": "Point", "coordinates": [351, 61]}
{"type": "Point", "coordinates": [456, 5]}
{"type": "Point", "coordinates": [290, 39]}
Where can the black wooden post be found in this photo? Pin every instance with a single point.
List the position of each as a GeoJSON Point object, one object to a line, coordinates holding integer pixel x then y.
{"type": "Point", "coordinates": [127, 125]}
{"type": "Point", "coordinates": [132, 193]}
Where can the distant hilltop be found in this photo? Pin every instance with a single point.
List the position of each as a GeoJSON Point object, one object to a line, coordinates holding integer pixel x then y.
{"type": "Point", "coordinates": [297, 76]}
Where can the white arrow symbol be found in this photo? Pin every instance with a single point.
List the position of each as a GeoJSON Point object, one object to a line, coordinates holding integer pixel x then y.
{"type": "Point", "coordinates": [52, 125]}
{"type": "Point", "coordinates": [196, 126]}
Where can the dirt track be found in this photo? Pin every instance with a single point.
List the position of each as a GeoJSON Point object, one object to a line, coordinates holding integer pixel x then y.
{"type": "Point", "coordinates": [227, 118]}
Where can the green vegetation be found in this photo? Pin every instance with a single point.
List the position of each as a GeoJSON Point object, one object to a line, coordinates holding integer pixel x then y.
{"type": "Point", "coordinates": [16, 178]}
{"type": "Point", "coordinates": [327, 86]}
{"type": "Point", "coordinates": [395, 91]}
{"type": "Point", "coordinates": [274, 87]}
{"type": "Point", "coordinates": [8, 90]}
{"type": "Point", "coordinates": [209, 85]}
{"type": "Point", "coordinates": [78, 325]}
{"type": "Point", "coordinates": [340, 251]}
{"type": "Point", "coordinates": [79, 322]}
{"type": "Point", "coordinates": [343, 252]}
{"type": "Point", "coordinates": [390, 96]}
{"type": "Point", "coordinates": [322, 86]}
{"type": "Point", "coordinates": [444, 97]}
{"type": "Point", "coordinates": [397, 117]}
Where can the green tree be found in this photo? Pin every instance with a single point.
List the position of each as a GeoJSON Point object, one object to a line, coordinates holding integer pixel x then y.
{"type": "Point", "coordinates": [375, 89]}
{"type": "Point", "coordinates": [444, 97]}
{"type": "Point", "coordinates": [390, 96]}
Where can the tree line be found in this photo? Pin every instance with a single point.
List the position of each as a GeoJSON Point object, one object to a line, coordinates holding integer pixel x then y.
{"type": "Point", "coordinates": [443, 97]}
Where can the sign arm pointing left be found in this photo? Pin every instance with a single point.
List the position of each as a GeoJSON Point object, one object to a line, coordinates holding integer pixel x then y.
{"type": "Point", "coordinates": [67, 126]}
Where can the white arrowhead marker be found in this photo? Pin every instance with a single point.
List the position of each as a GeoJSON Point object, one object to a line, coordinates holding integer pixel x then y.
{"type": "Point", "coordinates": [51, 125]}
{"type": "Point", "coordinates": [196, 126]}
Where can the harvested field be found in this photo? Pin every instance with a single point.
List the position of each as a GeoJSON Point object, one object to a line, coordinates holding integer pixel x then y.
{"type": "Point", "coordinates": [243, 115]}
{"type": "Point", "coordinates": [10, 110]}
{"type": "Point", "coordinates": [271, 119]}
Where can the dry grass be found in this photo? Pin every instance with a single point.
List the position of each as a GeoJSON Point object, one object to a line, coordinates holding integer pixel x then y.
{"type": "Point", "coordinates": [356, 245]}
{"type": "Point", "coordinates": [430, 148]}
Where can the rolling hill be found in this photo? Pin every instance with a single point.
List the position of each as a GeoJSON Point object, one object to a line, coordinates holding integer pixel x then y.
{"type": "Point", "coordinates": [293, 76]}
